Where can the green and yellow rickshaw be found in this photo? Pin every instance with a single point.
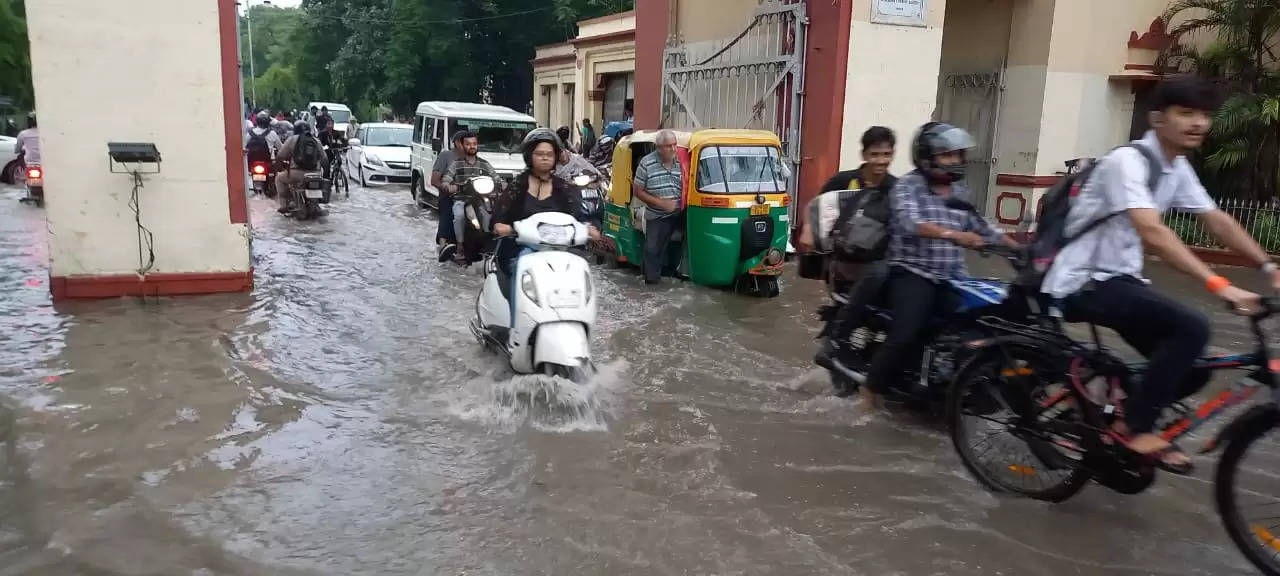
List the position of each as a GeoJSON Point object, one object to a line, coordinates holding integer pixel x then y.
{"type": "Point", "coordinates": [736, 200]}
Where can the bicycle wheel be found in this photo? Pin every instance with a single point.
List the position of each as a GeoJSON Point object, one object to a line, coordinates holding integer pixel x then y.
{"type": "Point", "coordinates": [1248, 497]}
{"type": "Point", "coordinates": [1008, 402]}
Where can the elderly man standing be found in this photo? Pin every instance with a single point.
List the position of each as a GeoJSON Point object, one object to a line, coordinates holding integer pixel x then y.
{"type": "Point", "coordinates": [659, 183]}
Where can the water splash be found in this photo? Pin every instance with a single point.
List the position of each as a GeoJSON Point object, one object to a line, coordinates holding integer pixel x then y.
{"type": "Point", "coordinates": [547, 403]}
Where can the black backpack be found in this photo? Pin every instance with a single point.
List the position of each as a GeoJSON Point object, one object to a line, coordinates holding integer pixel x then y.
{"type": "Point", "coordinates": [862, 234]}
{"type": "Point", "coordinates": [257, 145]}
{"type": "Point", "coordinates": [1051, 225]}
{"type": "Point", "coordinates": [308, 154]}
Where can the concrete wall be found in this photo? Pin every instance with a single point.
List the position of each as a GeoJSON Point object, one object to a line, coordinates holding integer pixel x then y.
{"type": "Point", "coordinates": [712, 20]}
{"type": "Point", "coordinates": [611, 24]}
{"type": "Point", "coordinates": [892, 78]}
{"type": "Point", "coordinates": [110, 71]}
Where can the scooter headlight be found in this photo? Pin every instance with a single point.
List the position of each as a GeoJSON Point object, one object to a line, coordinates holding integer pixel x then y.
{"type": "Point", "coordinates": [482, 185]}
{"type": "Point", "coordinates": [529, 288]}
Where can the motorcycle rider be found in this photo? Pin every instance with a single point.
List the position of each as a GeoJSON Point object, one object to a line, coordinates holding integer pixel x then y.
{"type": "Point", "coordinates": [264, 143]}
{"type": "Point", "coordinates": [571, 164]}
{"type": "Point", "coordinates": [446, 242]}
{"type": "Point", "coordinates": [932, 225]}
{"type": "Point", "coordinates": [27, 145]}
{"type": "Point", "coordinates": [1097, 277]}
{"type": "Point", "coordinates": [324, 131]}
{"type": "Point", "coordinates": [468, 165]}
{"type": "Point", "coordinates": [306, 154]}
{"type": "Point", "coordinates": [533, 191]}
{"type": "Point", "coordinates": [874, 179]}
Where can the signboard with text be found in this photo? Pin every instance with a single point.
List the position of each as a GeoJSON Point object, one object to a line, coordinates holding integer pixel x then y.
{"type": "Point", "coordinates": [900, 12]}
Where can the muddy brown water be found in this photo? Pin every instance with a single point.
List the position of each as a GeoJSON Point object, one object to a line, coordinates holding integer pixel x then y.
{"type": "Point", "coordinates": [341, 419]}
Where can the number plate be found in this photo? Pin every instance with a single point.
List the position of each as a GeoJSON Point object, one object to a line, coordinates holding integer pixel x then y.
{"type": "Point", "coordinates": [259, 177]}
{"type": "Point", "coordinates": [566, 299]}
{"type": "Point", "coordinates": [760, 209]}
{"type": "Point", "coordinates": [313, 194]}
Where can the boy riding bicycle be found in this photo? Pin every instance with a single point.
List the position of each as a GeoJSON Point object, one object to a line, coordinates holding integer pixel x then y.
{"type": "Point", "coordinates": [1097, 277]}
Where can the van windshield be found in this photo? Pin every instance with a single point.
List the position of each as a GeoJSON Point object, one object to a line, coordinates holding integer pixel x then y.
{"type": "Point", "coordinates": [495, 136]}
{"type": "Point", "coordinates": [340, 116]}
{"type": "Point", "coordinates": [741, 170]}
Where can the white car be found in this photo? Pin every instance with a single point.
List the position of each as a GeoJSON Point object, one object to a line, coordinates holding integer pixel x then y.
{"type": "Point", "coordinates": [380, 153]}
{"type": "Point", "coordinates": [10, 168]}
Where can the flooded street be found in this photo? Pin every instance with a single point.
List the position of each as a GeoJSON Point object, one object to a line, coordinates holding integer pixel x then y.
{"type": "Point", "coordinates": [342, 419]}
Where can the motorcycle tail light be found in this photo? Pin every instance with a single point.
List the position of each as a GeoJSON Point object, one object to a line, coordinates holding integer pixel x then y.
{"type": "Point", "coordinates": [34, 173]}
{"type": "Point", "coordinates": [259, 169]}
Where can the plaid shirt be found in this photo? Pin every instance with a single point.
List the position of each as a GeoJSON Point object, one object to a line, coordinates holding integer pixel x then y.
{"type": "Point", "coordinates": [934, 258]}
{"type": "Point", "coordinates": [659, 181]}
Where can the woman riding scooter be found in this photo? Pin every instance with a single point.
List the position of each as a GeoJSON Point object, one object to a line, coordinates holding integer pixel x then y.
{"type": "Point", "coordinates": [534, 191]}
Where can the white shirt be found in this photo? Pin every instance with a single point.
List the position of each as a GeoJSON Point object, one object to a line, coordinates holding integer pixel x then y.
{"type": "Point", "coordinates": [28, 141]}
{"type": "Point", "coordinates": [1114, 247]}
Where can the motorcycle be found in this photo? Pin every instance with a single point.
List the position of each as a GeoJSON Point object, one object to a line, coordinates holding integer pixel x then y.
{"type": "Point", "coordinates": [35, 185]}
{"type": "Point", "coordinates": [554, 300]}
{"type": "Point", "coordinates": [591, 188]}
{"type": "Point", "coordinates": [307, 196]}
{"type": "Point", "coordinates": [263, 178]}
{"type": "Point", "coordinates": [476, 196]}
{"type": "Point", "coordinates": [945, 349]}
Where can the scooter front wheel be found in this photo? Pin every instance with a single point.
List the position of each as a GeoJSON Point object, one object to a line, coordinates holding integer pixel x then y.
{"type": "Point", "coordinates": [573, 374]}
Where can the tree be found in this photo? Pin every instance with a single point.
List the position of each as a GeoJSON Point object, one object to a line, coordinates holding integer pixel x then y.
{"type": "Point", "coordinates": [15, 54]}
{"type": "Point", "coordinates": [278, 88]}
{"type": "Point", "coordinates": [1243, 150]}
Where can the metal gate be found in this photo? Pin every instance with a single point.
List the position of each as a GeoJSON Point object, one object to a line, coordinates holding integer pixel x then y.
{"type": "Point", "coordinates": [972, 101]}
{"type": "Point", "coordinates": [753, 80]}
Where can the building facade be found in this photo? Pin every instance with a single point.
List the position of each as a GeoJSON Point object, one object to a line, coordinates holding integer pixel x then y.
{"type": "Point", "coordinates": [1037, 82]}
{"type": "Point", "coordinates": [99, 78]}
{"type": "Point", "coordinates": [591, 76]}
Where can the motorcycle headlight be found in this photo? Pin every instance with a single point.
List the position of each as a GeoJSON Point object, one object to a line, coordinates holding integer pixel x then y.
{"type": "Point", "coordinates": [482, 185]}
{"type": "Point", "coordinates": [529, 288]}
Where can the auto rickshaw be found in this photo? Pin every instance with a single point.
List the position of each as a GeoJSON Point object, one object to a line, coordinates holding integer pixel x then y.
{"type": "Point", "coordinates": [735, 197]}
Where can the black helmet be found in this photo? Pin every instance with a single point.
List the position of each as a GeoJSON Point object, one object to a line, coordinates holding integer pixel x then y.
{"type": "Point", "coordinates": [459, 135]}
{"type": "Point", "coordinates": [937, 138]}
{"type": "Point", "coordinates": [302, 127]}
{"type": "Point", "coordinates": [262, 120]}
{"type": "Point", "coordinates": [538, 136]}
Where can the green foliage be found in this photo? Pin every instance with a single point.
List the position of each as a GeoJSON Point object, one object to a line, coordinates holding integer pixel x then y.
{"type": "Point", "coordinates": [401, 52]}
{"type": "Point", "coordinates": [1242, 154]}
{"type": "Point", "coordinates": [278, 88]}
{"type": "Point", "coordinates": [15, 54]}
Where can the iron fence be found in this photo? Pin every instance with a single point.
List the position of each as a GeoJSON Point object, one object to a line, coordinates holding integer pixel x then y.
{"type": "Point", "coordinates": [1260, 218]}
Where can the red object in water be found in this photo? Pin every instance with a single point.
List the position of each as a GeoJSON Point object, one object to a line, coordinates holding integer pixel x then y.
{"type": "Point", "coordinates": [259, 168]}
{"type": "Point", "coordinates": [34, 173]}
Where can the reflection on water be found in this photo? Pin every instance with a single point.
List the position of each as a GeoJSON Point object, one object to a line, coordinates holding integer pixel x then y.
{"type": "Point", "coordinates": [341, 419]}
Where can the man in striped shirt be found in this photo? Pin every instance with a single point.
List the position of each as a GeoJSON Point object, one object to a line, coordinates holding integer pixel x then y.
{"type": "Point", "coordinates": [467, 166]}
{"type": "Point", "coordinates": [659, 183]}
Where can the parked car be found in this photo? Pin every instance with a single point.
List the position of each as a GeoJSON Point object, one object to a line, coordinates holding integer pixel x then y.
{"type": "Point", "coordinates": [10, 167]}
{"type": "Point", "coordinates": [380, 153]}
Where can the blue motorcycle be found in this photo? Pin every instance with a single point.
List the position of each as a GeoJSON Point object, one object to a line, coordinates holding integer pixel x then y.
{"type": "Point", "coordinates": [944, 351]}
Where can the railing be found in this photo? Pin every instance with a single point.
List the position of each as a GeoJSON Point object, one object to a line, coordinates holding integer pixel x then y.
{"type": "Point", "coordinates": [1261, 219]}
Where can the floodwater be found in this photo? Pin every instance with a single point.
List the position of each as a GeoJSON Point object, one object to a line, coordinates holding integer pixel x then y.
{"type": "Point", "coordinates": [341, 419]}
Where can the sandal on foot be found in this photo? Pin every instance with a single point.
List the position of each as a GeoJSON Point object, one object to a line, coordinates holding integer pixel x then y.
{"type": "Point", "coordinates": [447, 251]}
{"type": "Point", "coordinates": [1161, 460]}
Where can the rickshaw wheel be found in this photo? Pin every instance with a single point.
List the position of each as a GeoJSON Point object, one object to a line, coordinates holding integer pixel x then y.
{"type": "Point", "coordinates": [768, 286]}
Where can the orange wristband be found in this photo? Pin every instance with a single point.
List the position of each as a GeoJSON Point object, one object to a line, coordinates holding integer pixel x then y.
{"type": "Point", "coordinates": [1216, 284]}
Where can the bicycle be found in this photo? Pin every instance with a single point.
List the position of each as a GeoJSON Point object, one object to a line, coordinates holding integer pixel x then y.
{"type": "Point", "coordinates": [338, 171]}
{"type": "Point", "coordinates": [1061, 398]}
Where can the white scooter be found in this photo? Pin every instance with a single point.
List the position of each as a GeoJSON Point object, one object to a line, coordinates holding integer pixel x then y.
{"type": "Point", "coordinates": [555, 306]}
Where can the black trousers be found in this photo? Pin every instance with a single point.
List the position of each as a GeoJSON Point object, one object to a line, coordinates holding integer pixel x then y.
{"type": "Point", "coordinates": [657, 239]}
{"type": "Point", "coordinates": [1170, 335]}
{"type": "Point", "coordinates": [863, 294]}
{"type": "Point", "coordinates": [914, 302]}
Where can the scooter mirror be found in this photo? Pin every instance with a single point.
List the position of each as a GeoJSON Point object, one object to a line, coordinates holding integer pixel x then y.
{"type": "Point", "coordinates": [483, 185]}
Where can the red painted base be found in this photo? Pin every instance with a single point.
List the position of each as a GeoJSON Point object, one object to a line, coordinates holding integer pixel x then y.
{"type": "Point", "coordinates": [180, 284]}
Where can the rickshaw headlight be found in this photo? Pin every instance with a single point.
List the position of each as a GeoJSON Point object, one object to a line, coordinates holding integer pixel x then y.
{"type": "Point", "coordinates": [774, 257]}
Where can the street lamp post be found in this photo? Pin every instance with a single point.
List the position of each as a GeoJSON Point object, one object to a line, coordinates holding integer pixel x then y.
{"type": "Point", "coordinates": [253, 76]}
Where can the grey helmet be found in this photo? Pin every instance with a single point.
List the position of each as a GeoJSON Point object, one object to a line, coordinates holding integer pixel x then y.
{"type": "Point", "coordinates": [302, 127]}
{"type": "Point", "coordinates": [937, 138]}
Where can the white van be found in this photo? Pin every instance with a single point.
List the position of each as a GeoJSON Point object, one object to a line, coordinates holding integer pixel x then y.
{"type": "Point", "coordinates": [342, 118]}
{"type": "Point", "coordinates": [500, 130]}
